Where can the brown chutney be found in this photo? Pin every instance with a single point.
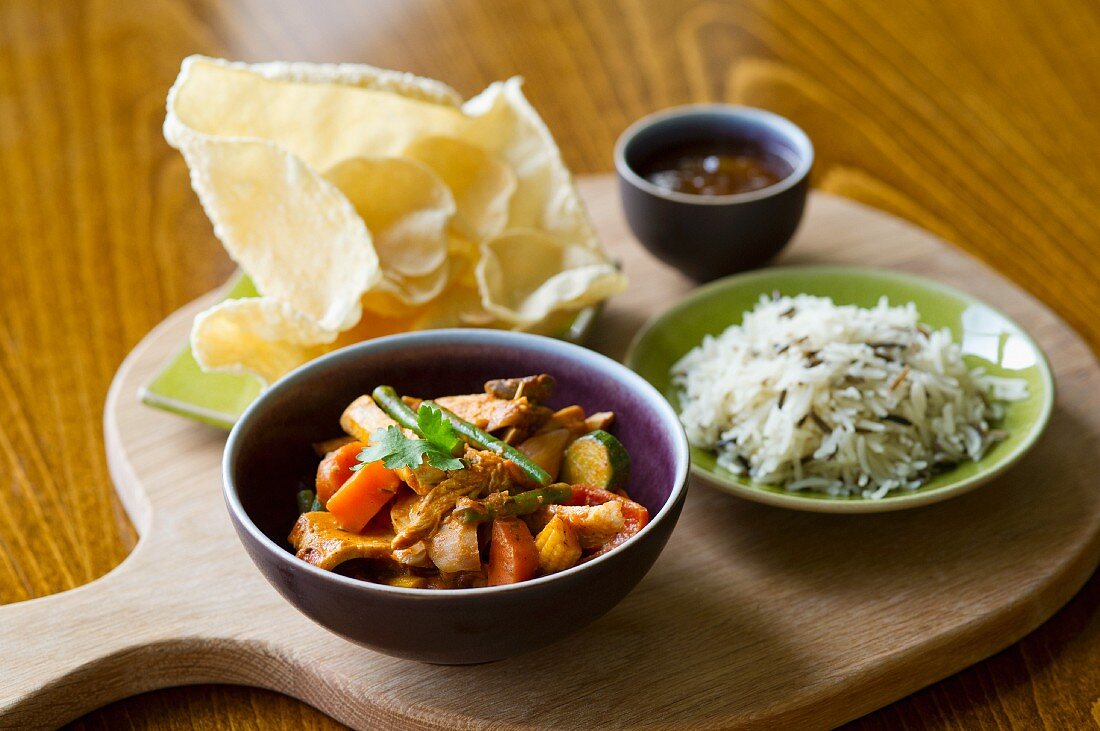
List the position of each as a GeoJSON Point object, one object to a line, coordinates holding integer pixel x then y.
{"type": "Point", "coordinates": [715, 168]}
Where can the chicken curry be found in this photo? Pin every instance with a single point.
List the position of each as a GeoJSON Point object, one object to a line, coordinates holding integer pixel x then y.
{"type": "Point", "coordinates": [468, 490]}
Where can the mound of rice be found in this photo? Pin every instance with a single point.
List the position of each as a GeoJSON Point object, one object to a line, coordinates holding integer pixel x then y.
{"type": "Point", "coordinates": [844, 400]}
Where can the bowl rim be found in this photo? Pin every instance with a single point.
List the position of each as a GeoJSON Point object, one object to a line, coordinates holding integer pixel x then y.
{"type": "Point", "coordinates": [861, 505]}
{"type": "Point", "coordinates": [588, 359]}
{"type": "Point", "coordinates": [772, 120]}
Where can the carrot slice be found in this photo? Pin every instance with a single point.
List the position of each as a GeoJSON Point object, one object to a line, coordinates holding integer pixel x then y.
{"type": "Point", "coordinates": [363, 495]}
{"type": "Point", "coordinates": [513, 556]}
{"type": "Point", "coordinates": [335, 469]}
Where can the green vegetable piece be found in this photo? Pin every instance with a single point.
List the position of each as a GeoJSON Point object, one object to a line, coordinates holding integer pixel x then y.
{"type": "Point", "coordinates": [305, 500]}
{"type": "Point", "coordinates": [440, 445]}
{"type": "Point", "coordinates": [523, 503]}
{"type": "Point", "coordinates": [470, 515]}
{"type": "Point", "coordinates": [597, 459]}
{"type": "Point", "coordinates": [388, 400]}
{"type": "Point", "coordinates": [437, 430]}
{"type": "Point", "coordinates": [318, 506]}
{"type": "Point", "coordinates": [484, 440]}
{"type": "Point", "coordinates": [396, 450]}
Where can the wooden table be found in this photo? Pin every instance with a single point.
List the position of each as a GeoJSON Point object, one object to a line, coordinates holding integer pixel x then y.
{"type": "Point", "coordinates": [975, 120]}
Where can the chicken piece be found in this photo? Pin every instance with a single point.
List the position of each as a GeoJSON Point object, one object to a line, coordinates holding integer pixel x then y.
{"type": "Point", "coordinates": [594, 525]}
{"type": "Point", "coordinates": [516, 434]}
{"type": "Point", "coordinates": [363, 416]}
{"type": "Point", "coordinates": [490, 413]}
{"type": "Point", "coordinates": [558, 546]}
{"type": "Point", "coordinates": [599, 420]}
{"type": "Point", "coordinates": [414, 555]}
{"type": "Point", "coordinates": [423, 478]}
{"type": "Point", "coordinates": [425, 514]}
{"type": "Point", "coordinates": [401, 508]}
{"type": "Point", "coordinates": [485, 472]}
{"type": "Point", "coordinates": [454, 547]}
{"type": "Point", "coordinates": [535, 388]}
{"type": "Point", "coordinates": [571, 418]}
{"type": "Point", "coordinates": [484, 469]}
{"type": "Point", "coordinates": [574, 419]}
{"type": "Point", "coordinates": [318, 540]}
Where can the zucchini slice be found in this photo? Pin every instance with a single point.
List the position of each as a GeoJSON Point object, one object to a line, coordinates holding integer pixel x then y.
{"type": "Point", "coordinates": [598, 460]}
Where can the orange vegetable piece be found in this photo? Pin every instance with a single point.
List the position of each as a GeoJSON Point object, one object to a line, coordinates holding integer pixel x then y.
{"type": "Point", "coordinates": [335, 469]}
{"type": "Point", "coordinates": [513, 556]}
{"type": "Point", "coordinates": [363, 495]}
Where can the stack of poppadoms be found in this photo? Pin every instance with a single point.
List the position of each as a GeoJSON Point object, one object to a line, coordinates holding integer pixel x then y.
{"type": "Point", "coordinates": [363, 202]}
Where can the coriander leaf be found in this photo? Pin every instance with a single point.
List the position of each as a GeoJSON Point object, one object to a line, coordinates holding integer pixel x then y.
{"type": "Point", "coordinates": [436, 429]}
{"type": "Point", "coordinates": [395, 450]}
{"type": "Point", "coordinates": [443, 461]}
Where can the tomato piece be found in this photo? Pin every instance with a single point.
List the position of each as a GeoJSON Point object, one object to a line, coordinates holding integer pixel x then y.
{"type": "Point", "coordinates": [635, 515]}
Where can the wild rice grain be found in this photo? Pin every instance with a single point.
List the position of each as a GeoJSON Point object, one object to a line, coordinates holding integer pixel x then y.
{"type": "Point", "coordinates": [792, 416]}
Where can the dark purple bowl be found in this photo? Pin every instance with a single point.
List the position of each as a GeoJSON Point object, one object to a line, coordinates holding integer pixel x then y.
{"type": "Point", "coordinates": [269, 449]}
{"type": "Point", "coordinates": [711, 236]}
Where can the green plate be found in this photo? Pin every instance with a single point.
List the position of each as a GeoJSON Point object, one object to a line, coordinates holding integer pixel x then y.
{"type": "Point", "coordinates": [987, 336]}
{"type": "Point", "coordinates": [219, 399]}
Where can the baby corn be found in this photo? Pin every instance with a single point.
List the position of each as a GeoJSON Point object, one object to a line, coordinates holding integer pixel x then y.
{"type": "Point", "coordinates": [558, 546]}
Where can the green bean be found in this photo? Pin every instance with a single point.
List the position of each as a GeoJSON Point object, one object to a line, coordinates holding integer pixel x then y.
{"type": "Point", "coordinates": [528, 502]}
{"type": "Point", "coordinates": [484, 440]}
{"type": "Point", "coordinates": [473, 515]}
{"type": "Point", "coordinates": [388, 400]}
{"type": "Point", "coordinates": [305, 500]}
{"type": "Point", "coordinates": [523, 503]}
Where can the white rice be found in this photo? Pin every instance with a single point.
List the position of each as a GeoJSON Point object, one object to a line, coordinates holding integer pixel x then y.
{"type": "Point", "coordinates": [843, 400]}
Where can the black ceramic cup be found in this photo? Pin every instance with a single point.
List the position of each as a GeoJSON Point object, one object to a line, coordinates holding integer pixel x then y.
{"type": "Point", "coordinates": [269, 450]}
{"type": "Point", "coordinates": [711, 236]}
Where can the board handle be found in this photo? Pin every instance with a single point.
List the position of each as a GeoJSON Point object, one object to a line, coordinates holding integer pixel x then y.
{"type": "Point", "coordinates": [68, 653]}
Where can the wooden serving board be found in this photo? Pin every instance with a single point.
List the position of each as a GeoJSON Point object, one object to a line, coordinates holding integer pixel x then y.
{"type": "Point", "coordinates": [754, 616]}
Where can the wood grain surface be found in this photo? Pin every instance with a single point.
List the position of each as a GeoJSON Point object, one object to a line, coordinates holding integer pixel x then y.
{"type": "Point", "coordinates": [976, 120]}
{"type": "Point", "coordinates": [754, 618]}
